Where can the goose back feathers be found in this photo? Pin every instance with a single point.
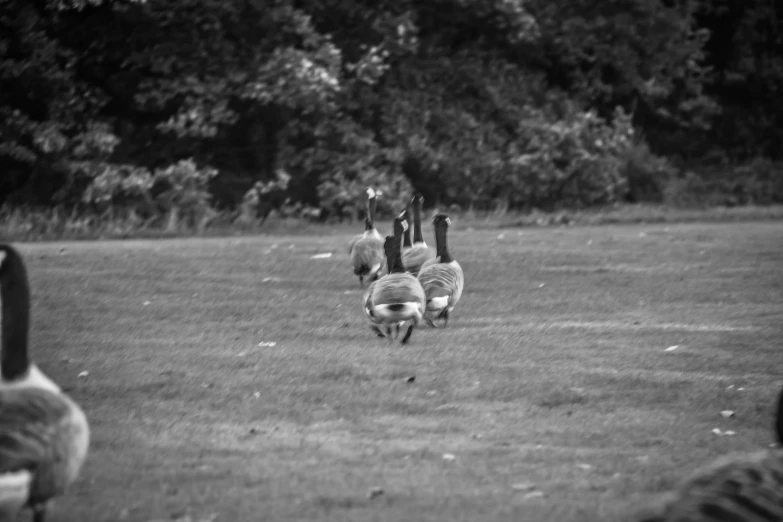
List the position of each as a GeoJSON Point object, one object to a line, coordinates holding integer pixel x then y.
{"type": "Point", "coordinates": [736, 488]}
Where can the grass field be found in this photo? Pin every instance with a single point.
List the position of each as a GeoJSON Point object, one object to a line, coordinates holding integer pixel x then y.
{"type": "Point", "coordinates": [550, 394]}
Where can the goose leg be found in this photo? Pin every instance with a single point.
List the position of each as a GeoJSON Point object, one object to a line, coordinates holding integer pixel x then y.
{"type": "Point", "coordinates": [361, 281]}
{"type": "Point", "coordinates": [389, 333]}
{"type": "Point", "coordinates": [397, 333]}
{"type": "Point", "coordinates": [445, 318]}
{"type": "Point", "coordinates": [377, 331]}
{"type": "Point", "coordinates": [408, 334]}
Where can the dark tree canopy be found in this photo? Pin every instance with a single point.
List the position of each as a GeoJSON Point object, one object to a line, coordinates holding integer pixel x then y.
{"type": "Point", "coordinates": [157, 104]}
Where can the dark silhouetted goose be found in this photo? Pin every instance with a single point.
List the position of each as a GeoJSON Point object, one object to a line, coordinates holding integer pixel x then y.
{"type": "Point", "coordinates": [736, 488]}
{"type": "Point", "coordinates": [418, 253]}
{"type": "Point", "coordinates": [366, 249]}
{"type": "Point", "coordinates": [441, 277]}
{"type": "Point", "coordinates": [397, 297]}
{"type": "Point", "coordinates": [44, 435]}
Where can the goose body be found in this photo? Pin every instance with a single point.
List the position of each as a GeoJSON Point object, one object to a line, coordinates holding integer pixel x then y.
{"type": "Point", "coordinates": [418, 253]}
{"type": "Point", "coordinates": [44, 434]}
{"type": "Point", "coordinates": [736, 488]}
{"type": "Point", "coordinates": [366, 249]}
{"type": "Point", "coordinates": [397, 297]}
{"type": "Point", "coordinates": [376, 323]}
{"type": "Point", "coordinates": [441, 277]}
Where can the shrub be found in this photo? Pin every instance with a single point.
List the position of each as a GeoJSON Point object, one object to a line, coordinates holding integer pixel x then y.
{"type": "Point", "coordinates": [342, 193]}
{"type": "Point", "coordinates": [575, 161]}
{"type": "Point", "coordinates": [647, 174]}
{"type": "Point", "coordinates": [175, 192]}
{"type": "Point", "coordinates": [759, 181]}
{"type": "Point", "coordinates": [182, 193]}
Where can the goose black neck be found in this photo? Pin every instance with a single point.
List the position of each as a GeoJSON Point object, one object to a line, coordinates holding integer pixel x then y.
{"type": "Point", "coordinates": [367, 223]}
{"type": "Point", "coordinates": [15, 294]}
{"type": "Point", "coordinates": [406, 238]}
{"type": "Point", "coordinates": [417, 237]}
{"type": "Point", "coordinates": [442, 243]}
{"type": "Point", "coordinates": [779, 420]}
{"type": "Point", "coordinates": [393, 254]}
{"type": "Point", "coordinates": [371, 204]}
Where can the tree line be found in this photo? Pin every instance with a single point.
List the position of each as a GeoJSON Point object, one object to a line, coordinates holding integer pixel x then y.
{"type": "Point", "coordinates": [172, 109]}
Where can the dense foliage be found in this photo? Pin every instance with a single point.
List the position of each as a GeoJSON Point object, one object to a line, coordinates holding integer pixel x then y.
{"type": "Point", "coordinates": [171, 109]}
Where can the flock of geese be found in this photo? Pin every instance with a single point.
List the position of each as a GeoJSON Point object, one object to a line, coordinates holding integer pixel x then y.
{"type": "Point", "coordinates": [44, 434]}
{"type": "Point", "coordinates": [409, 282]}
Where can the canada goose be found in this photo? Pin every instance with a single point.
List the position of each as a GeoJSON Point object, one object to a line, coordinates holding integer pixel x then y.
{"type": "Point", "coordinates": [441, 277]}
{"type": "Point", "coordinates": [398, 296]}
{"type": "Point", "coordinates": [400, 226]}
{"type": "Point", "coordinates": [735, 488]}
{"type": "Point", "coordinates": [418, 252]}
{"type": "Point", "coordinates": [44, 435]}
{"type": "Point", "coordinates": [366, 249]}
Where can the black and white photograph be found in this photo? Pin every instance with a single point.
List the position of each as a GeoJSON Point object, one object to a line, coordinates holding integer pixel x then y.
{"type": "Point", "coordinates": [391, 261]}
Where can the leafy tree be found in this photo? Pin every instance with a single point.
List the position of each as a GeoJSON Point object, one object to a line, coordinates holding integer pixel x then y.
{"type": "Point", "coordinates": [108, 103]}
{"type": "Point", "coordinates": [746, 50]}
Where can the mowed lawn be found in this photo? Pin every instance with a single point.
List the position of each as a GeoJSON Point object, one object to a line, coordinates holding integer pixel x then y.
{"type": "Point", "coordinates": [549, 397]}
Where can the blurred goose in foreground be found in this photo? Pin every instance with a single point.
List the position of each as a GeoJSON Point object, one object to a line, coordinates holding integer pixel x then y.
{"type": "Point", "coordinates": [366, 249]}
{"type": "Point", "coordinates": [44, 435]}
{"type": "Point", "coordinates": [414, 257]}
{"type": "Point", "coordinates": [735, 488]}
{"type": "Point", "coordinates": [397, 297]}
{"type": "Point", "coordinates": [441, 277]}
{"type": "Point", "coordinates": [400, 226]}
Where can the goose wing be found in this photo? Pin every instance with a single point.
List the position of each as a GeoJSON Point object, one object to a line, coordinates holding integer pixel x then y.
{"type": "Point", "coordinates": [431, 261]}
{"type": "Point", "coordinates": [44, 433]}
{"type": "Point", "coordinates": [353, 241]}
{"type": "Point", "coordinates": [442, 280]}
{"type": "Point", "coordinates": [414, 257]}
{"type": "Point", "coordinates": [397, 288]}
{"type": "Point", "coordinates": [369, 309]}
{"type": "Point", "coordinates": [367, 253]}
{"type": "Point", "coordinates": [742, 487]}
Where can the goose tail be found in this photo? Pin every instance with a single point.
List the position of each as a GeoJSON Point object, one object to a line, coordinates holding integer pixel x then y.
{"type": "Point", "coordinates": [14, 493]}
{"type": "Point", "coordinates": [437, 304]}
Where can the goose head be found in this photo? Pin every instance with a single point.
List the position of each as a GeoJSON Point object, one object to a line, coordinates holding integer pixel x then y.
{"type": "Point", "coordinates": [441, 221]}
